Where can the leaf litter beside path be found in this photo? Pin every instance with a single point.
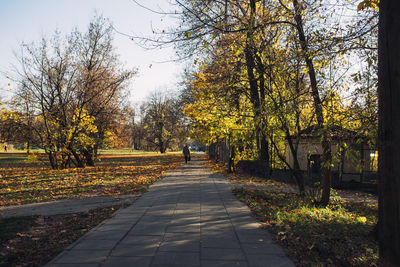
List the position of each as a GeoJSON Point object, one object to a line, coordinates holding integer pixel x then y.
{"type": "Point", "coordinates": [338, 235]}
{"type": "Point", "coordinates": [38, 239]}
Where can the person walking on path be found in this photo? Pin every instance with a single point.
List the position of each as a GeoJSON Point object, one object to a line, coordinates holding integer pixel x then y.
{"type": "Point", "coordinates": [186, 153]}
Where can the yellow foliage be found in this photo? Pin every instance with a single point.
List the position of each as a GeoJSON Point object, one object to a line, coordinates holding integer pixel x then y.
{"type": "Point", "coordinates": [362, 219]}
{"type": "Point", "coordinates": [368, 4]}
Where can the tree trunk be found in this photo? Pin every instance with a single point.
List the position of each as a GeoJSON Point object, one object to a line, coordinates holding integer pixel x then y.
{"type": "Point", "coordinates": [89, 156]}
{"type": "Point", "coordinates": [296, 172]}
{"type": "Point", "coordinates": [256, 90]}
{"type": "Point", "coordinates": [389, 133]}
{"type": "Point", "coordinates": [79, 161]}
{"type": "Point", "coordinates": [263, 152]}
{"type": "Point", "coordinates": [326, 147]}
{"type": "Point", "coordinates": [95, 151]}
{"type": "Point", "coordinates": [161, 144]}
{"type": "Point", "coordinates": [254, 95]}
{"type": "Point", "coordinates": [28, 147]}
{"type": "Point", "coordinates": [53, 161]}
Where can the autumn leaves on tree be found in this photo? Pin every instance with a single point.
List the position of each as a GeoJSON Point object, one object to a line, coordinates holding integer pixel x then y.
{"type": "Point", "coordinates": [70, 91]}
{"type": "Point", "coordinates": [266, 70]}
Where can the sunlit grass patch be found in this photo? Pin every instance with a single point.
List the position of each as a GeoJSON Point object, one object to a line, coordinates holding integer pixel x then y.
{"type": "Point", "coordinates": [339, 235]}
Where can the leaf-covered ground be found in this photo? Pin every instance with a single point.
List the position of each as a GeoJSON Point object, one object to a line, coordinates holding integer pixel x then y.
{"type": "Point", "coordinates": [23, 181]}
{"type": "Point", "coordinates": [339, 235]}
{"type": "Point", "coordinates": [35, 240]}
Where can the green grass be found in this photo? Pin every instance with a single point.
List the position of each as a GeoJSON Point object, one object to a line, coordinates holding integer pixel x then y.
{"type": "Point", "coordinates": [124, 151]}
{"type": "Point", "coordinates": [338, 235]}
{"type": "Point", "coordinates": [22, 151]}
{"type": "Point", "coordinates": [7, 159]}
{"type": "Point", "coordinates": [21, 159]}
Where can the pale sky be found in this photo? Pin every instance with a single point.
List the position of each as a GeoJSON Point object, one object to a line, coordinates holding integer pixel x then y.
{"type": "Point", "coordinates": [29, 20]}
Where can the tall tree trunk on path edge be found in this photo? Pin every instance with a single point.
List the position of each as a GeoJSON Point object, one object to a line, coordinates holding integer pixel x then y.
{"type": "Point", "coordinates": [326, 146]}
{"type": "Point", "coordinates": [257, 94]}
{"type": "Point", "coordinates": [389, 133]}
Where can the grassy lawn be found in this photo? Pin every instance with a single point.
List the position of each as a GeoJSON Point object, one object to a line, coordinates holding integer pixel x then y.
{"type": "Point", "coordinates": [338, 235]}
{"type": "Point", "coordinates": [123, 151]}
{"type": "Point", "coordinates": [12, 159]}
{"type": "Point", "coordinates": [23, 181]}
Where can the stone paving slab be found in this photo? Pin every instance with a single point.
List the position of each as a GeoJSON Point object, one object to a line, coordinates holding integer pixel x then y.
{"type": "Point", "coordinates": [189, 218]}
{"type": "Point", "coordinates": [65, 206]}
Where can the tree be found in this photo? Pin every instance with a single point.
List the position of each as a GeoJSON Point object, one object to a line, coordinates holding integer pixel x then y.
{"type": "Point", "coordinates": [206, 22]}
{"type": "Point", "coordinates": [12, 127]}
{"type": "Point", "coordinates": [162, 121]}
{"type": "Point", "coordinates": [253, 56]}
{"type": "Point", "coordinates": [243, 44]}
{"type": "Point", "coordinates": [47, 79]}
{"type": "Point", "coordinates": [389, 133]}
{"type": "Point", "coordinates": [138, 135]}
{"type": "Point", "coordinates": [256, 25]}
{"type": "Point", "coordinates": [101, 81]}
{"type": "Point", "coordinates": [315, 92]}
{"type": "Point", "coordinates": [221, 105]}
{"type": "Point", "coordinates": [320, 48]}
{"type": "Point", "coordinates": [71, 86]}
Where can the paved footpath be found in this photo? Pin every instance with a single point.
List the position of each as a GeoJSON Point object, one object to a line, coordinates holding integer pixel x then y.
{"type": "Point", "coordinates": [189, 218]}
{"type": "Point", "coordinates": [65, 206]}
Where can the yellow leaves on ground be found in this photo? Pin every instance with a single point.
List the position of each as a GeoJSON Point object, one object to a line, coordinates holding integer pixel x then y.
{"type": "Point", "coordinates": [114, 175]}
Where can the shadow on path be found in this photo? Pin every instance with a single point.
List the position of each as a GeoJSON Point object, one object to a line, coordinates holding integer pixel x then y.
{"type": "Point", "coordinates": [189, 218]}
